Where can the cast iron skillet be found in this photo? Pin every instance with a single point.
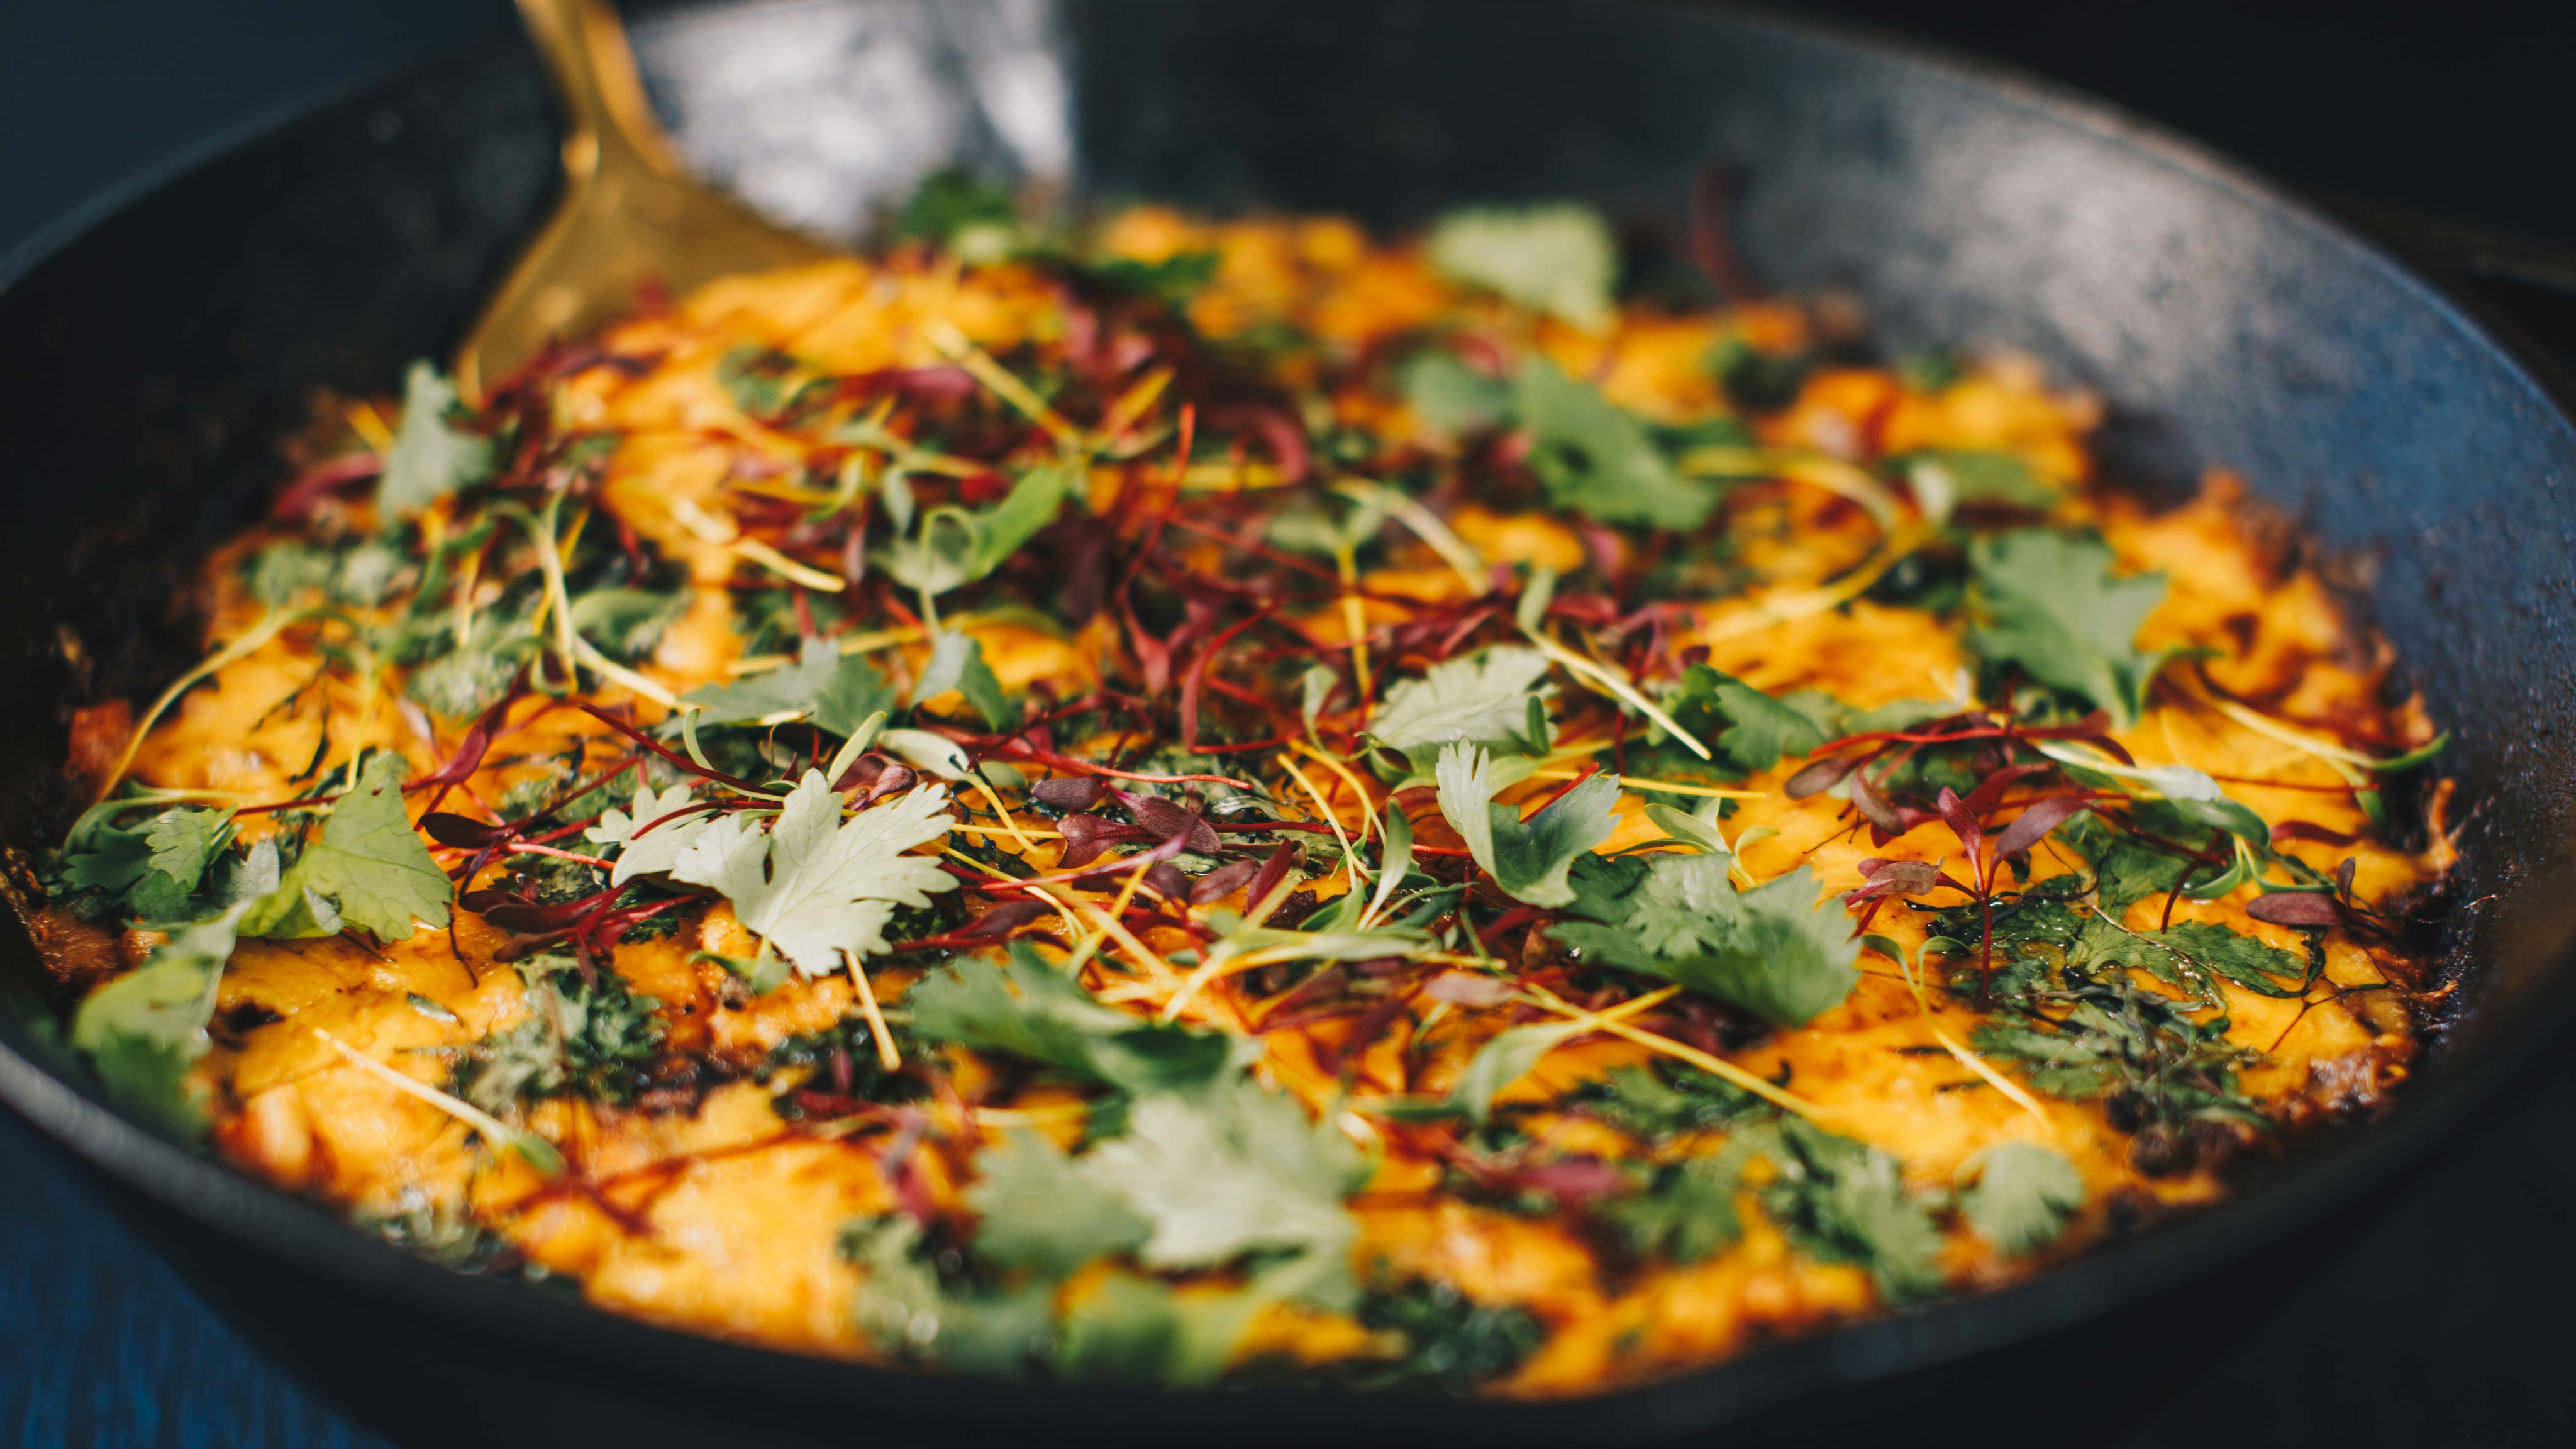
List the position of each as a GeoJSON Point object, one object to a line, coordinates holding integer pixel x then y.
{"type": "Point", "coordinates": [152, 360]}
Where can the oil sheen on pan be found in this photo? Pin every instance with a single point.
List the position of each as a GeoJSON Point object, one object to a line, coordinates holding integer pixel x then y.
{"type": "Point", "coordinates": [1138, 798]}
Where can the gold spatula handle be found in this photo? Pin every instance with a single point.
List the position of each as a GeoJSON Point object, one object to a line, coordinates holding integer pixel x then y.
{"type": "Point", "coordinates": [585, 51]}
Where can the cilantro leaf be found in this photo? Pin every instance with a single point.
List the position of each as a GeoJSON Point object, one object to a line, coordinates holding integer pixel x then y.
{"type": "Point", "coordinates": [1451, 1340]}
{"type": "Point", "coordinates": [369, 869]}
{"type": "Point", "coordinates": [1236, 1170]}
{"type": "Point", "coordinates": [2246, 960]}
{"type": "Point", "coordinates": [1599, 459]}
{"type": "Point", "coordinates": [1172, 281]}
{"type": "Point", "coordinates": [904, 1306]}
{"type": "Point", "coordinates": [1658, 1102]}
{"type": "Point", "coordinates": [2022, 1196]}
{"type": "Point", "coordinates": [1138, 1330]}
{"type": "Point", "coordinates": [1559, 259]}
{"type": "Point", "coordinates": [1450, 397]}
{"type": "Point", "coordinates": [431, 457]}
{"type": "Point", "coordinates": [2052, 607]}
{"type": "Point", "coordinates": [817, 887]}
{"type": "Point", "coordinates": [957, 662]}
{"type": "Point", "coordinates": [627, 623]}
{"type": "Point", "coordinates": [1041, 1212]}
{"type": "Point", "coordinates": [1505, 1059]}
{"type": "Point", "coordinates": [1944, 478]}
{"type": "Point", "coordinates": [1773, 951]}
{"type": "Point", "coordinates": [655, 851]}
{"type": "Point", "coordinates": [1029, 1009]}
{"type": "Point", "coordinates": [958, 545]}
{"type": "Point", "coordinates": [2126, 870]}
{"type": "Point", "coordinates": [1843, 1201]}
{"type": "Point", "coordinates": [962, 212]}
{"type": "Point", "coordinates": [1685, 1212]}
{"type": "Point", "coordinates": [145, 1029]}
{"type": "Point", "coordinates": [1527, 858]}
{"type": "Point", "coordinates": [1480, 698]}
{"type": "Point", "coordinates": [822, 682]}
{"type": "Point", "coordinates": [185, 845]}
{"type": "Point", "coordinates": [1747, 729]}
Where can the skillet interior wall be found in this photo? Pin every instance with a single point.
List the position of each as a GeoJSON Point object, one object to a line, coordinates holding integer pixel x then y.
{"type": "Point", "coordinates": [151, 369]}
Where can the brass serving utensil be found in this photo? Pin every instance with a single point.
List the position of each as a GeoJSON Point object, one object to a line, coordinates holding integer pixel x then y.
{"type": "Point", "coordinates": [631, 216]}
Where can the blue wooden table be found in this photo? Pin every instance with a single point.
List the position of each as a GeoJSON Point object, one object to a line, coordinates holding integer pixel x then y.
{"type": "Point", "coordinates": [100, 1344]}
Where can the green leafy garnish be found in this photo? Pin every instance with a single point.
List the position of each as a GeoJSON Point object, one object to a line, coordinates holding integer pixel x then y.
{"type": "Point", "coordinates": [1559, 259]}
{"type": "Point", "coordinates": [627, 623]}
{"type": "Point", "coordinates": [816, 887]}
{"type": "Point", "coordinates": [368, 869]}
{"type": "Point", "coordinates": [1685, 1212]}
{"type": "Point", "coordinates": [1480, 698]}
{"type": "Point", "coordinates": [962, 213]}
{"type": "Point", "coordinates": [1451, 397]}
{"type": "Point", "coordinates": [1043, 1213]}
{"type": "Point", "coordinates": [145, 1029]}
{"type": "Point", "coordinates": [431, 456]}
{"type": "Point", "coordinates": [1031, 1010]}
{"type": "Point", "coordinates": [594, 1040]}
{"type": "Point", "coordinates": [833, 689]}
{"type": "Point", "coordinates": [1748, 730]}
{"type": "Point", "coordinates": [1598, 459]}
{"type": "Point", "coordinates": [958, 545]}
{"type": "Point", "coordinates": [1944, 478]}
{"type": "Point", "coordinates": [1237, 1170]}
{"type": "Point", "coordinates": [1450, 1339]}
{"type": "Point", "coordinates": [1843, 1201]}
{"type": "Point", "coordinates": [1139, 1330]}
{"type": "Point", "coordinates": [957, 662]}
{"type": "Point", "coordinates": [2051, 606]}
{"type": "Point", "coordinates": [903, 1304]}
{"type": "Point", "coordinates": [2022, 1195]}
{"type": "Point", "coordinates": [1773, 950]}
{"type": "Point", "coordinates": [1527, 858]}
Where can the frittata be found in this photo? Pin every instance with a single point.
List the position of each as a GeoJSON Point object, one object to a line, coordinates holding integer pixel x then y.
{"type": "Point", "coordinates": [1158, 799]}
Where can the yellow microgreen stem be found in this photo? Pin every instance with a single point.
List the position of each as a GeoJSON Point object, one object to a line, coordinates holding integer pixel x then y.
{"type": "Point", "coordinates": [887, 1056]}
{"type": "Point", "coordinates": [1126, 892]}
{"type": "Point", "coordinates": [1783, 605]}
{"type": "Point", "coordinates": [709, 528]}
{"type": "Point", "coordinates": [1024, 837]}
{"type": "Point", "coordinates": [1359, 791]}
{"type": "Point", "coordinates": [1610, 681]}
{"type": "Point", "coordinates": [1354, 619]}
{"type": "Point", "coordinates": [1454, 551]}
{"type": "Point", "coordinates": [536, 1151]}
{"type": "Point", "coordinates": [611, 670]}
{"type": "Point", "coordinates": [1816, 470]}
{"type": "Point", "coordinates": [1718, 1066]}
{"type": "Point", "coordinates": [1350, 858]}
{"type": "Point", "coordinates": [957, 348]}
{"type": "Point", "coordinates": [1230, 478]}
{"type": "Point", "coordinates": [1965, 1057]}
{"type": "Point", "coordinates": [1133, 403]}
{"type": "Point", "coordinates": [370, 427]}
{"type": "Point", "coordinates": [1009, 825]}
{"type": "Point", "coordinates": [1072, 910]}
{"type": "Point", "coordinates": [1029, 1116]}
{"type": "Point", "coordinates": [788, 568]}
{"type": "Point", "coordinates": [251, 641]}
{"type": "Point", "coordinates": [2262, 724]}
{"type": "Point", "coordinates": [1670, 787]}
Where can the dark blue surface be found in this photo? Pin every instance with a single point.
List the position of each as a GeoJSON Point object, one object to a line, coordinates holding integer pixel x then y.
{"type": "Point", "coordinates": [100, 1344]}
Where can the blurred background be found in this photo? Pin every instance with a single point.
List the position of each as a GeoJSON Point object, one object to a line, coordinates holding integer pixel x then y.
{"type": "Point", "coordinates": [2431, 1316]}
